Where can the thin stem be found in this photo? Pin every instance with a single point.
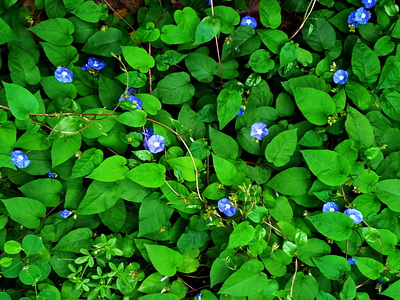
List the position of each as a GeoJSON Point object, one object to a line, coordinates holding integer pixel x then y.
{"type": "Point", "coordinates": [347, 247]}
{"type": "Point", "coordinates": [150, 91]}
{"type": "Point", "coordinates": [306, 15]}
{"type": "Point", "coordinates": [4, 107]}
{"type": "Point", "coordinates": [219, 60]}
{"type": "Point", "coordinates": [343, 194]}
{"type": "Point", "coordinates": [294, 276]}
{"type": "Point", "coordinates": [208, 170]}
{"type": "Point", "coordinates": [280, 229]}
{"type": "Point", "coordinates": [360, 285]}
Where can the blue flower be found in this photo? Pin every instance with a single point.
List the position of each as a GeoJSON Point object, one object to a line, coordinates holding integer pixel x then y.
{"type": "Point", "coordinates": [352, 19]}
{"type": "Point", "coordinates": [133, 99]}
{"type": "Point", "coordinates": [362, 16]}
{"type": "Point", "coordinates": [351, 261]}
{"type": "Point", "coordinates": [51, 175]}
{"type": "Point", "coordinates": [209, 2]}
{"type": "Point", "coordinates": [131, 90]}
{"type": "Point", "coordinates": [96, 64]}
{"type": "Point", "coordinates": [20, 159]}
{"type": "Point", "coordinates": [147, 134]}
{"type": "Point", "coordinates": [259, 130]}
{"type": "Point", "coordinates": [156, 143]}
{"type": "Point", "coordinates": [198, 296]}
{"type": "Point", "coordinates": [368, 3]}
{"type": "Point", "coordinates": [340, 76]}
{"type": "Point", "coordinates": [354, 214]}
{"type": "Point", "coordinates": [224, 206]}
{"type": "Point", "coordinates": [330, 206]}
{"type": "Point", "coordinates": [65, 213]}
{"type": "Point", "coordinates": [249, 21]}
{"type": "Point", "coordinates": [85, 67]}
{"type": "Point", "coordinates": [63, 75]}
{"type": "Point", "coordinates": [241, 112]}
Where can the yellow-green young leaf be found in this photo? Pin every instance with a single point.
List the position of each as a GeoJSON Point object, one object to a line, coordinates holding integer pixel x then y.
{"type": "Point", "coordinates": [334, 225]}
{"type": "Point", "coordinates": [20, 101]}
{"type": "Point", "coordinates": [186, 166]}
{"type": "Point", "coordinates": [148, 175]}
{"type": "Point", "coordinates": [281, 148]}
{"type": "Point", "coordinates": [246, 281]}
{"type": "Point", "coordinates": [226, 171]}
{"type": "Point", "coordinates": [242, 235]}
{"type": "Point", "coordinates": [228, 105]}
{"type": "Point", "coordinates": [270, 13]}
{"type": "Point", "coordinates": [150, 103]}
{"type": "Point", "coordinates": [12, 247]}
{"type": "Point", "coordinates": [332, 266]}
{"type": "Point", "coordinates": [138, 58]}
{"type": "Point", "coordinates": [112, 169]}
{"type": "Point", "coordinates": [164, 259]}
{"type": "Point", "coordinates": [25, 211]}
{"type": "Point", "coordinates": [190, 263]}
{"type": "Point", "coordinates": [369, 267]}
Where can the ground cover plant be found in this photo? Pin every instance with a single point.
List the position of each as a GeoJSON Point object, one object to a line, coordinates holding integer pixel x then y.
{"type": "Point", "coordinates": [199, 149]}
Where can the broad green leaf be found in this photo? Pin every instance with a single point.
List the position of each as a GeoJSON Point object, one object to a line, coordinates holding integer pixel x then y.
{"type": "Point", "coordinates": [112, 169]}
{"type": "Point", "coordinates": [282, 211]}
{"type": "Point", "coordinates": [384, 46]}
{"type": "Point", "coordinates": [288, 53]}
{"type": "Point", "coordinates": [281, 148]}
{"type": "Point", "coordinates": [135, 79]}
{"type": "Point", "coordinates": [334, 225]}
{"type": "Point", "coordinates": [388, 191]}
{"type": "Point", "coordinates": [227, 16]}
{"type": "Point", "coordinates": [329, 167]}
{"type": "Point", "coordinates": [314, 248]}
{"type": "Point", "coordinates": [47, 295]}
{"type": "Point", "coordinates": [319, 34]}
{"type": "Point", "coordinates": [91, 12]}
{"type": "Point", "coordinates": [6, 32]}
{"type": "Point", "coordinates": [12, 247]}
{"type": "Point", "coordinates": [90, 159]}
{"type": "Point", "coordinates": [248, 280]}
{"type": "Point", "coordinates": [175, 88]}
{"type": "Point", "coordinates": [359, 94]}
{"type": "Point", "coordinates": [228, 105]}
{"type": "Point", "coordinates": [369, 267]}
{"type": "Point", "coordinates": [138, 58]}
{"type": "Point", "coordinates": [349, 289]}
{"type": "Point", "coordinates": [260, 61]}
{"type": "Point", "coordinates": [8, 134]}
{"type": "Point", "coordinates": [270, 13]}
{"type": "Point", "coordinates": [186, 166]}
{"type": "Point", "coordinates": [159, 297]}
{"type": "Point", "coordinates": [20, 101]}
{"type": "Point", "coordinates": [293, 181]}
{"type": "Point", "coordinates": [223, 145]}
{"type": "Point", "coordinates": [57, 31]}
{"type": "Point", "coordinates": [29, 275]}
{"type": "Point", "coordinates": [365, 63]}
{"type": "Point", "coordinates": [75, 240]}
{"type": "Point", "coordinates": [243, 41]}
{"type": "Point", "coordinates": [315, 105]}
{"type": "Point", "coordinates": [164, 259]}
{"type": "Point", "coordinates": [44, 190]}
{"type": "Point", "coordinates": [202, 67]}
{"type": "Point", "coordinates": [104, 42]}
{"type": "Point", "coordinates": [390, 101]}
{"type": "Point", "coordinates": [23, 69]}
{"type": "Point", "coordinates": [32, 244]}
{"type": "Point", "coordinates": [64, 148]}
{"type": "Point", "coordinates": [99, 197]}
{"type": "Point", "coordinates": [4, 296]}
{"type": "Point", "coordinates": [390, 76]}
{"type": "Point", "coordinates": [206, 30]}
{"type": "Point", "coordinates": [148, 175]}
{"type": "Point", "coordinates": [274, 39]}
{"type": "Point", "coordinates": [148, 34]}
{"type": "Point", "coordinates": [133, 118]}
{"type": "Point", "coordinates": [305, 287]}
{"type": "Point", "coordinates": [332, 266]}
{"type": "Point", "coordinates": [226, 172]}
{"type": "Point", "coordinates": [191, 240]}
{"type": "Point", "coordinates": [190, 262]}
{"type": "Point", "coordinates": [241, 235]}
{"type": "Point", "coordinates": [25, 211]}
{"type": "Point", "coordinates": [115, 217]}
{"type": "Point", "coordinates": [393, 291]}
{"type": "Point", "coordinates": [150, 103]}
{"type": "Point", "coordinates": [33, 141]}
{"type": "Point", "coordinates": [60, 55]}
{"type": "Point", "coordinates": [174, 35]}
{"type": "Point", "coordinates": [359, 128]}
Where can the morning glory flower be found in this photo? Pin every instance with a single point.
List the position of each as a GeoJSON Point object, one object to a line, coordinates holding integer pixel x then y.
{"type": "Point", "coordinates": [133, 99]}
{"type": "Point", "coordinates": [354, 214]}
{"type": "Point", "coordinates": [259, 130]}
{"type": "Point", "coordinates": [147, 134]}
{"type": "Point", "coordinates": [131, 90]}
{"type": "Point", "coordinates": [20, 159]}
{"type": "Point", "coordinates": [209, 2]}
{"type": "Point", "coordinates": [340, 76]}
{"type": "Point", "coordinates": [352, 19]}
{"type": "Point", "coordinates": [65, 213]}
{"type": "Point", "coordinates": [368, 3]}
{"type": "Point", "coordinates": [224, 206]}
{"type": "Point", "coordinates": [351, 261]}
{"type": "Point", "coordinates": [241, 112]}
{"type": "Point", "coordinates": [362, 16]}
{"type": "Point", "coordinates": [63, 75]}
{"type": "Point", "coordinates": [330, 206]}
{"type": "Point", "coordinates": [198, 296]}
{"type": "Point", "coordinates": [95, 63]}
{"type": "Point", "coordinates": [249, 21]}
{"type": "Point", "coordinates": [156, 143]}
{"type": "Point", "coordinates": [51, 175]}
{"type": "Point", "coordinates": [85, 67]}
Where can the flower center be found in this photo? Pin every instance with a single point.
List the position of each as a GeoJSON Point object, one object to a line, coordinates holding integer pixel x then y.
{"type": "Point", "coordinates": [369, 1]}
{"type": "Point", "coordinates": [227, 206]}
{"type": "Point", "coordinates": [95, 63]}
{"type": "Point", "coordinates": [259, 131]}
{"type": "Point", "coordinates": [20, 158]}
{"type": "Point", "coordinates": [331, 209]}
{"type": "Point", "coordinates": [248, 21]}
{"type": "Point", "coordinates": [64, 73]}
{"type": "Point", "coordinates": [363, 16]}
{"type": "Point", "coordinates": [353, 217]}
{"type": "Point", "coordinates": [157, 144]}
{"type": "Point", "coordinates": [341, 77]}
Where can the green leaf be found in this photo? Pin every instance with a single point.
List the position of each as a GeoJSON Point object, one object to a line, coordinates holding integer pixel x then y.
{"type": "Point", "coordinates": [12, 247]}
{"type": "Point", "coordinates": [390, 101]}
{"type": "Point", "coordinates": [148, 34]}
{"type": "Point", "coordinates": [388, 191]}
{"type": "Point", "coordinates": [159, 297]}
{"type": "Point", "coordinates": [349, 289]}
{"type": "Point", "coordinates": [334, 225]}
{"type": "Point", "coordinates": [90, 159]}
{"type": "Point", "coordinates": [359, 128]}
{"type": "Point", "coordinates": [63, 149]}
{"type": "Point", "coordinates": [148, 175]}
{"type": "Point", "coordinates": [25, 211]}
{"type": "Point", "coordinates": [33, 141]}
{"type": "Point", "coordinates": [175, 88]}
{"type": "Point", "coordinates": [384, 46]}
{"type": "Point", "coordinates": [248, 280]}
{"type": "Point", "coordinates": [57, 31]}
{"type": "Point", "coordinates": [281, 148]}
{"type": "Point", "coordinates": [270, 13]}
{"type": "Point", "coordinates": [274, 39]}
{"type": "Point", "coordinates": [190, 263]}
{"type": "Point", "coordinates": [4, 296]}
{"type": "Point", "coordinates": [133, 118]}
{"type": "Point", "coordinates": [164, 259]}
{"type": "Point", "coordinates": [223, 145]}
{"type": "Point", "coordinates": [115, 217]}
{"type": "Point", "coordinates": [393, 291]}
{"type": "Point", "coordinates": [241, 236]}
{"type": "Point", "coordinates": [390, 76]}
{"type": "Point", "coordinates": [314, 248]}
{"type": "Point", "coordinates": [44, 190]}
{"type": "Point", "coordinates": [202, 67]}
{"type": "Point", "coordinates": [260, 61]}
{"type": "Point", "coordinates": [315, 105]}
{"type": "Point", "coordinates": [206, 30]}
{"type": "Point", "coordinates": [174, 35]}
{"type": "Point", "coordinates": [150, 103]}
{"type": "Point", "coordinates": [358, 94]}
{"type": "Point", "coordinates": [91, 12]}
{"type": "Point", "coordinates": [242, 41]}
{"type": "Point", "coordinates": [305, 287]}
{"type": "Point", "coordinates": [32, 244]}
{"type": "Point", "coordinates": [60, 55]}
{"type": "Point", "coordinates": [191, 240]}
{"type": "Point", "coordinates": [319, 34]}
{"type": "Point", "coordinates": [112, 169]}
{"type": "Point", "coordinates": [329, 167]}
{"type": "Point", "coordinates": [99, 197]}
{"type": "Point", "coordinates": [138, 58]}
{"type": "Point", "coordinates": [226, 172]}
{"type": "Point", "coordinates": [282, 210]}
{"type": "Point", "coordinates": [47, 295]}
{"type": "Point", "coordinates": [75, 240]}
{"type": "Point", "coordinates": [228, 105]}
{"type": "Point", "coordinates": [332, 266]}
{"type": "Point", "coordinates": [288, 53]}
{"type": "Point", "coordinates": [227, 16]}
{"type": "Point", "coordinates": [29, 275]}
{"type": "Point", "coordinates": [104, 43]}
{"type": "Point", "coordinates": [20, 101]}
{"type": "Point", "coordinates": [186, 166]}
{"type": "Point", "coordinates": [136, 79]}
{"type": "Point", "coordinates": [23, 69]}
{"type": "Point", "coordinates": [369, 267]}
{"type": "Point", "coordinates": [365, 63]}
{"type": "Point", "coordinates": [293, 181]}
